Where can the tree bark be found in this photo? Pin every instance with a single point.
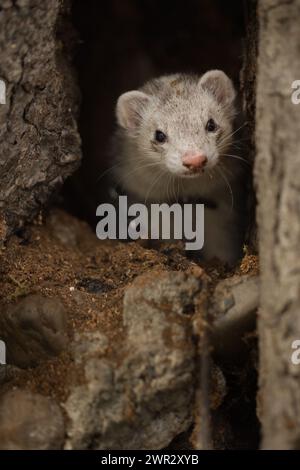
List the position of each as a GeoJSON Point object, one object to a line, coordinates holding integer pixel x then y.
{"type": "Point", "coordinates": [40, 145]}
{"type": "Point", "coordinates": [277, 177]}
{"type": "Point", "coordinates": [248, 91]}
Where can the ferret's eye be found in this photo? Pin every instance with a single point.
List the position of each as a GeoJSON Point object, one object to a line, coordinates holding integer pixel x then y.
{"type": "Point", "coordinates": [160, 137]}
{"type": "Point", "coordinates": [211, 126]}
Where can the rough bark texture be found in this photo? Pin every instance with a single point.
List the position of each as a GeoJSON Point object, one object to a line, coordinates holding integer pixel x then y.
{"type": "Point", "coordinates": [40, 145]}
{"type": "Point", "coordinates": [248, 73]}
{"type": "Point", "coordinates": [277, 175]}
{"type": "Point", "coordinates": [248, 91]}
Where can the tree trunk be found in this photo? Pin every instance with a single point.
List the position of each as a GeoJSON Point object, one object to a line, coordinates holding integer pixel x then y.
{"type": "Point", "coordinates": [248, 91]}
{"type": "Point", "coordinates": [277, 177]}
{"type": "Point", "coordinates": [40, 145]}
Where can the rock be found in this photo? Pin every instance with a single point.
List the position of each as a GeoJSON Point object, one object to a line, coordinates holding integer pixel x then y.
{"type": "Point", "coordinates": [88, 344]}
{"type": "Point", "coordinates": [141, 397]}
{"type": "Point", "coordinates": [233, 308]}
{"type": "Point", "coordinates": [33, 329]}
{"type": "Point", "coordinates": [66, 233]}
{"type": "Point", "coordinates": [30, 422]}
{"type": "Point", "coordinates": [66, 229]}
{"type": "Point", "coordinates": [7, 373]}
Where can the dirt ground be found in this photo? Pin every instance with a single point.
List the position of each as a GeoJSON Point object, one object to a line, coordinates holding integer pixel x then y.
{"type": "Point", "coordinates": [60, 257]}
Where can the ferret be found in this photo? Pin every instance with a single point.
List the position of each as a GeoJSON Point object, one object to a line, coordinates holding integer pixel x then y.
{"type": "Point", "coordinates": [174, 143]}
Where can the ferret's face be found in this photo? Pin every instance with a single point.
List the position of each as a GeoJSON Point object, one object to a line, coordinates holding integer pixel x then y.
{"type": "Point", "coordinates": [182, 126]}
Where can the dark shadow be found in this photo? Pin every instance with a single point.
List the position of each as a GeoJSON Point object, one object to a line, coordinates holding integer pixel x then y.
{"type": "Point", "coordinates": [124, 43]}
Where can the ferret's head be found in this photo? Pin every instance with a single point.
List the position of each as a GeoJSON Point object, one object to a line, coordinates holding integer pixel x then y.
{"type": "Point", "coordinates": [180, 122]}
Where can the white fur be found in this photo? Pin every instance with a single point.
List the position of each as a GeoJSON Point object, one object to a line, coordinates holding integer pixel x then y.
{"type": "Point", "coordinates": [180, 106]}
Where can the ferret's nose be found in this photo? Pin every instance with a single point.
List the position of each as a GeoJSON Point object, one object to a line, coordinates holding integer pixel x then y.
{"type": "Point", "coordinates": [194, 160]}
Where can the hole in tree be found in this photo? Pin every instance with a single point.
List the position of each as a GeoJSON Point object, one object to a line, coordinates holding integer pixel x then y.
{"type": "Point", "coordinates": [120, 46]}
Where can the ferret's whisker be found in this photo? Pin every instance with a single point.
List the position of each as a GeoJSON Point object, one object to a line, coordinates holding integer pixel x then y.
{"type": "Point", "coordinates": [239, 128]}
{"type": "Point", "coordinates": [119, 164]}
{"type": "Point", "coordinates": [107, 171]}
{"type": "Point", "coordinates": [153, 185]}
{"type": "Point", "coordinates": [226, 170]}
{"type": "Point", "coordinates": [227, 141]}
{"type": "Point", "coordinates": [235, 147]}
{"type": "Point", "coordinates": [228, 137]}
{"type": "Point", "coordinates": [173, 188]}
{"type": "Point", "coordinates": [146, 165]}
{"type": "Point", "coordinates": [235, 156]}
{"type": "Point", "coordinates": [181, 189]}
{"type": "Point", "coordinates": [170, 187]}
{"type": "Point", "coordinates": [171, 182]}
{"type": "Point", "coordinates": [228, 185]}
{"type": "Point", "coordinates": [168, 184]}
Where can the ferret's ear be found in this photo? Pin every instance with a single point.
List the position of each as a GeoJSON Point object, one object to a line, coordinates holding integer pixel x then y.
{"type": "Point", "coordinates": [129, 109]}
{"type": "Point", "coordinates": [217, 83]}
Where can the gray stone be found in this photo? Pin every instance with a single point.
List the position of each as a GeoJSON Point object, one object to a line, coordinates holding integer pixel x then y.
{"type": "Point", "coordinates": [142, 398]}
{"type": "Point", "coordinates": [88, 344]}
{"type": "Point", "coordinates": [33, 329]}
{"type": "Point", "coordinates": [30, 422]}
{"type": "Point", "coordinates": [233, 307]}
